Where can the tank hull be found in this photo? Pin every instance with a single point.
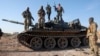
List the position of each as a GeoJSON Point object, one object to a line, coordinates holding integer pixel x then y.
{"type": "Point", "coordinates": [50, 38]}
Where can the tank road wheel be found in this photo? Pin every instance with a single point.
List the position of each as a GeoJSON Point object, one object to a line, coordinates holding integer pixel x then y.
{"type": "Point", "coordinates": [85, 41]}
{"type": "Point", "coordinates": [75, 42]}
{"type": "Point", "coordinates": [49, 43]}
{"type": "Point", "coordinates": [36, 43]}
{"type": "Point", "coordinates": [62, 42]}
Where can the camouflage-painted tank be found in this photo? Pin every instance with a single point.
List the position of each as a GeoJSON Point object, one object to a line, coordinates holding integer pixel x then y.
{"type": "Point", "coordinates": [55, 34]}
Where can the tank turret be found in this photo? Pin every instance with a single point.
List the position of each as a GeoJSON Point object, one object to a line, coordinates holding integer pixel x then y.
{"type": "Point", "coordinates": [75, 24]}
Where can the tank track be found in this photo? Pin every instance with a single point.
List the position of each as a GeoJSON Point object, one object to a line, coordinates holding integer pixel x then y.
{"type": "Point", "coordinates": [25, 39]}
{"type": "Point", "coordinates": [22, 39]}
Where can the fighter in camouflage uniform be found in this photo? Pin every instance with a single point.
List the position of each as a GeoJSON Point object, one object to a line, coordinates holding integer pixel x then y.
{"type": "Point", "coordinates": [27, 15]}
{"type": "Point", "coordinates": [48, 9]}
{"type": "Point", "coordinates": [41, 14]}
{"type": "Point", "coordinates": [59, 10]}
{"type": "Point", "coordinates": [92, 35]}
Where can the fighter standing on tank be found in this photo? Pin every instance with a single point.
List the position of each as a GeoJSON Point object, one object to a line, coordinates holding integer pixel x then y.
{"type": "Point", "coordinates": [41, 14]}
{"type": "Point", "coordinates": [59, 11]}
{"type": "Point", "coordinates": [27, 15]}
{"type": "Point", "coordinates": [48, 11]}
{"type": "Point", "coordinates": [92, 35]}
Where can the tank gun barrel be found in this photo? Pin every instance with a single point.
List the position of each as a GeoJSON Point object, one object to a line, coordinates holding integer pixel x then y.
{"type": "Point", "coordinates": [12, 21]}
{"type": "Point", "coordinates": [16, 22]}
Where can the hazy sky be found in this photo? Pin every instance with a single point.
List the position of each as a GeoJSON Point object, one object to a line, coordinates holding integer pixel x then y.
{"type": "Point", "coordinates": [82, 9]}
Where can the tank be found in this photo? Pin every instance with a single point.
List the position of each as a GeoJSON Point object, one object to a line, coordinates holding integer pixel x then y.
{"type": "Point", "coordinates": [55, 34]}
{"type": "Point", "coordinates": [1, 33]}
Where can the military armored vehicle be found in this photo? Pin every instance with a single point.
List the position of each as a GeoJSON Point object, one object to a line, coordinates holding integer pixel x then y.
{"type": "Point", "coordinates": [55, 35]}
{"type": "Point", "coordinates": [1, 33]}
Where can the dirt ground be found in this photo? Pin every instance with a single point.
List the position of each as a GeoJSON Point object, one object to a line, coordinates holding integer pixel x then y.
{"type": "Point", "coordinates": [9, 46]}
